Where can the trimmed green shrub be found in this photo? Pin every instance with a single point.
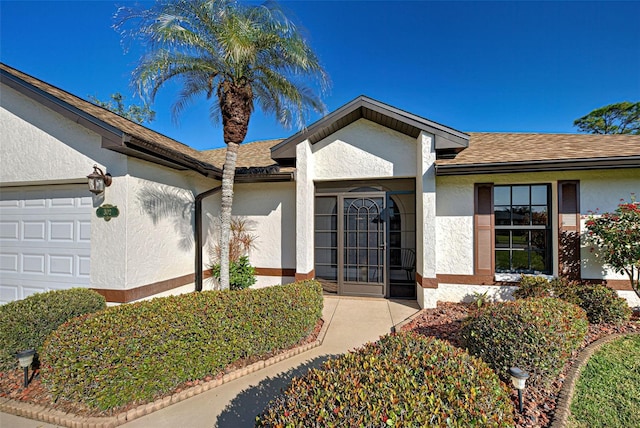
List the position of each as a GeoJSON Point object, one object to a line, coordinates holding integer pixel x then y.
{"type": "Point", "coordinates": [241, 273]}
{"type": "Point", "coordinates": [602, 304]}
{"type": "Point", "coordinates": [401, 380]}
{"type": "Point", "coordinates": [537, 335]}
{"type": "Point", "coordinates": [25, 324]}
{"type": "Point", "coordinates": [534, 286]}
{"type": "Point", "coordinates": [137, 352]}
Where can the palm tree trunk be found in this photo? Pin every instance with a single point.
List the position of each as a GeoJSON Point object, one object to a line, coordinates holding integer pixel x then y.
{"type": "Point", "coordinates": [228, 176]}
{"type": "Point", "coordinates": [236, 104]}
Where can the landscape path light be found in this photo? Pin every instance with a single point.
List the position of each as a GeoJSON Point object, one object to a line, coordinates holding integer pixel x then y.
{"type": "Point", "coordinates": [519, 379]}
{"type": "Point", "coordinates": [25, 358]}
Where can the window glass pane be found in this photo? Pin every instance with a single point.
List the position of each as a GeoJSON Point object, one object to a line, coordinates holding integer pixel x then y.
{"type": "Point", "coordinates": [502, 261]}
{"type": "Point", "coordinates": [520, 261]}
{"type": "Point", "coordinates": [351, 239]}
{"type": "Point", "coordinates": [327, 272]}
{"type": "Point", "coordinates": [503, 215]}
{"type": "Point", "coordinates": [520, 238]}
{"type": "Point", "coordinates": [326, 239]}
{"type": "Point", "coordinates": [521, 215]}
{"type": "Point", "coordinates": [538, 261]}
{"type": "Point", "coordinates": [362, 239]}
{"type": "Point", "coordinates": [326, 205]}
{"type": "Point", "coordinates": [351, 256]}
{"type": "Point", "coordinates": [539, 239]}
{"type": "Point", "coordinates": [326, 222]}
{"type": "Point", "coordinates": [539, 215]}
{"type": "Point", "coordinates": [539, 195]}
{"type": "Point", "coordinates": [373, 257]}
{"type": "Point", "coordinates": [325, 256]}
{"type": "Point", "coordinates": [351, 273]}
{"type": "Point", "coordinates": [502, 195]}
{"type": "Point", "coordinates": [502, 239]}
{"type": "Point", "coordinates": [520, 195]}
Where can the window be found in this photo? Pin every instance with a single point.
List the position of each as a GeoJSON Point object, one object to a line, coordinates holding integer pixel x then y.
{"type": "Point", "coordinates": [522, 228]}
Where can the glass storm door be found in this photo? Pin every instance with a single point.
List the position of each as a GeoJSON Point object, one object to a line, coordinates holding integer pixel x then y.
{"type": "Point", "coordinates": [363, 257]}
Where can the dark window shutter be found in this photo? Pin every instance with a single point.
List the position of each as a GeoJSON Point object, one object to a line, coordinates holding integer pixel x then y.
{"type": "Point", "coordinates": [569, 229]}
{"type": "Point", "coordinates": [484, 230]}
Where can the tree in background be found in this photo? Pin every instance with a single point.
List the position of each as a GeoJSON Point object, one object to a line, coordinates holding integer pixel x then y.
{"type": "Point", "coordinates": [620, 118]}
{"type": "Point", "coordinates": [616, 239]}
{"type": "Point", "coordinates": [133, 112]}
{"type": "Point", "coordinates": [236, 54]}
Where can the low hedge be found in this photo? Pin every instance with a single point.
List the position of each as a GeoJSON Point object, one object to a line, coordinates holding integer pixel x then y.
{"type": "Point", "coordinates": [25, 324]}
{"type": "Point", "coordinates": [538, 335]}
{"type": "Point", "coordinates": [136, 352]}
{"type": "Point", "coordinates": [602, 304]}
{"type": "Point", "coordinates": [401, 380]}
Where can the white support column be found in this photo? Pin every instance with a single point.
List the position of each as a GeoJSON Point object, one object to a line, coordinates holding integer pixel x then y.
{"type": "Point", "coordinates": [305, 195]}
{"type": "Point", "coordinates": [426, 221]}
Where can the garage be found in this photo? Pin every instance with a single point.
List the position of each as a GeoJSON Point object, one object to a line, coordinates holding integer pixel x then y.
{"type": "Point", "coordinates": [45, 239]}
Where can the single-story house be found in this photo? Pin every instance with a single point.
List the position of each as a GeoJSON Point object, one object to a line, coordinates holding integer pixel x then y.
{"type": "Point", "coordinates": [370, 200]}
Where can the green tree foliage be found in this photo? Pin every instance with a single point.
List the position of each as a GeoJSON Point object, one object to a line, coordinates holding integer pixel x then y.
{"type": "Point", "coordinates": [620, 118]}
{"type": "Point", "coordinates": [616, 239]}
{"type": "Point", "coordinates": [239, 55]}
{"type": "Point", "coordinates": [135, 113]}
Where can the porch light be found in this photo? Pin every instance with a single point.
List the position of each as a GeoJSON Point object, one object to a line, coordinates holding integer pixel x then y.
{"type": "Point", "coordinates": [98, 180]}
{"type": "Point", "coordinates": [25, 358]}
{"type": "Point", "coordinates": [519, 379]}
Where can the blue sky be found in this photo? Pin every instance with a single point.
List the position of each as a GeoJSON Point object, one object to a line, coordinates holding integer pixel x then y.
{"type": "Point", "coordinates": [474, 66]}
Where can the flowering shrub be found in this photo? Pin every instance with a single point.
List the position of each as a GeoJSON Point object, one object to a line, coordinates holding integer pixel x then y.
{"type": "Point", "coordinates": [616, 236]}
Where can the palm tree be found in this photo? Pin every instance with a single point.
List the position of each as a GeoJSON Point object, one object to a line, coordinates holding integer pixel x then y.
{"type": "Point", "coordinates": [236, 54]}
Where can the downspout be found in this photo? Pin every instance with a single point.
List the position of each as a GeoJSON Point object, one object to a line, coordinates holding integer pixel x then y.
{"type": "Point", "coordinates": [198, 233]}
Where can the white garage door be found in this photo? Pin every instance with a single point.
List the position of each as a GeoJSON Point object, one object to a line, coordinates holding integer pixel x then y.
{"type": "Point", "coordinates": [45, 239]}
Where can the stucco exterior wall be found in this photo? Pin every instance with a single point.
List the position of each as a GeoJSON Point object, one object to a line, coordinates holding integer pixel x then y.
{"type": "Point", "coordinates": [39, 145]}
{"type": "Point", "coordinates": [152, 240]}
{"type": "Point", "coordinates": [364, 149]}
{"type": "Point", "coordinates": [454, 223]}
{"type": "Point", "coordinates": [600, 190]}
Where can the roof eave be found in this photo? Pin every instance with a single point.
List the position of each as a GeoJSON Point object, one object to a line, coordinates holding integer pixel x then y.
{"type": "Point", "coordinates": [72, 113]}
{"type": "Point", "coordinates": [538, 166]}
{"type": "Point", "coordinates": [112, 138]}
{"type": "Point", "coordinates": [445, 137]}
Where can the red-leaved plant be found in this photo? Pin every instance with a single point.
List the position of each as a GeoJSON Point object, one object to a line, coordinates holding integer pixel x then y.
{"type": "Point", "coordinates": [616, 239]}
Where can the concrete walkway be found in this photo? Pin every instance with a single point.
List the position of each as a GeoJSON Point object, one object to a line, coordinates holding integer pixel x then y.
{"type": "Point", "coordinates": [352, 323]}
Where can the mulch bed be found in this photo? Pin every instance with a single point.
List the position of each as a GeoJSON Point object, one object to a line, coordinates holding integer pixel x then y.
{"type": "Point", "coordinates": [12, 384]}
{"type": "Point", "coordinates": [443, 322]}
{"type": "Point", "coordinates": [539, 404]}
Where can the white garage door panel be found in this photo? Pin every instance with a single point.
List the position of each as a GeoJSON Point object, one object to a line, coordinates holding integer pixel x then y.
{"type": "Point", "coordinates": [45, 240]}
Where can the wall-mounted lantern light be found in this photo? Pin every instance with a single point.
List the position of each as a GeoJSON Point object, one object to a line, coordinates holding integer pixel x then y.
{"type": "Point", "coordinates": [519, 379]}
{"type": "Point", "coordinates": [25, 358]}
{"type": "Point", "coordinates": [98, 180]}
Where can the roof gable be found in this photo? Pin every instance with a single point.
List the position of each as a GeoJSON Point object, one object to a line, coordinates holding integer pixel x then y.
{"type": "Point", "coordinates": [118, 133]}
{"type": "Point", "coordinates": [367, 108]}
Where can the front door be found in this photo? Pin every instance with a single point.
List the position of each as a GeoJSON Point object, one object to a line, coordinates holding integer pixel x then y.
{"type": "Point", "coordinates": [362, 243]}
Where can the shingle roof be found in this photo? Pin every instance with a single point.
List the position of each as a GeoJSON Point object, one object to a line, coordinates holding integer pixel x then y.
{"type": "Point", "coordinates": [486, 147]}
{"type": "Point", "coordinates": [158, 144]}
{"type": "Point", "coordinates": [257, 153]}
{"type": "Point", "coordinates": [512, 152]}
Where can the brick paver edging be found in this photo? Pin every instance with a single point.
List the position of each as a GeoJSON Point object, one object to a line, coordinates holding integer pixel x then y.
{"type": "Point", "coordinates": [563, 409]}
{"type": "Point", "coordinates": [57, 417]}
